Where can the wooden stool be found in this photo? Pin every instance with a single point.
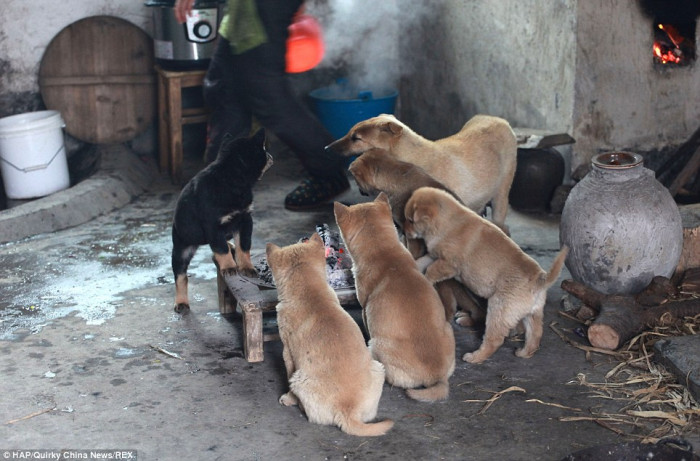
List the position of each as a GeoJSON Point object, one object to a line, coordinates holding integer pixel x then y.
{"type": "Point", "coordinates": [237, 294]}
{"type": "Point", "coordinates": [171, 116]}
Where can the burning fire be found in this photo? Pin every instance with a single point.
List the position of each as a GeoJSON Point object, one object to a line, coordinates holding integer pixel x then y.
{"type": "Point", "coordinates": [671, 46]}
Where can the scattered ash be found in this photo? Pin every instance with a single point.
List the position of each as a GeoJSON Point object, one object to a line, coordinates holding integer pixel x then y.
{"type": "Point", "coordinates": [264, 272]}
{"type": "Point", "coordinates": [338, 262]}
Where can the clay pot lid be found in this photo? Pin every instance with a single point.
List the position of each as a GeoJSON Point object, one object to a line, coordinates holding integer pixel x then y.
{"type": "Point", "coordinates": [617, 160]}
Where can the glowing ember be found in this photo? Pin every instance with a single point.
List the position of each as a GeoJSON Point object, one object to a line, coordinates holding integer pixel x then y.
{"type": "Point", "coordinates": [671, 46]}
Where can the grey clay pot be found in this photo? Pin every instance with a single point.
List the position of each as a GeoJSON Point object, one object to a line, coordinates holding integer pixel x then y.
{"type": "Point", "coordinates": [622, 225]}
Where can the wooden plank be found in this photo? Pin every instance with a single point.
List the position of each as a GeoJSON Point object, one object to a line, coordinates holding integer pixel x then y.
{"type": "Point", "coordinates": [531, 138]}
{"type": "Point", "coordinates": [98, 80]}
{"type": "Point", "coordinates": [686, 173]}
{"type": "Point", "coordinates": [98, 73]}
{"type": "Point", "coordinates": [252, 332]}
{"type": "Point", "coordinates": [227, 303]}
{"type": "Point", "coordinates": [690, 254]}
{"type": "Point", "coordinates": [238, 292]}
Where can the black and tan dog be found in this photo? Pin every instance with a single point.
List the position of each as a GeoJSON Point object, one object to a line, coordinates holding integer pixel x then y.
{"type": "Point", "coordinates": [214, 207]}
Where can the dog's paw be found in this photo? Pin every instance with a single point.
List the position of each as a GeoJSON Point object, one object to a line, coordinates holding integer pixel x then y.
{"type": "Point", "coordinates": [288, 399]}
{"type": "Point", "coordinates": [182, 308]}
{"type": "Point", "coordinates": [248, 272]}
{"type": "Point", "coordinates": [472, 357]}
{"type": "Point", "coordinates": [523, 353]}
{"type": "Point", "coordinates": [229, 272]}
{"type": "Point", "coordinates": [464, 319]}
{"type": "Point", "coordinates": [423, 262]}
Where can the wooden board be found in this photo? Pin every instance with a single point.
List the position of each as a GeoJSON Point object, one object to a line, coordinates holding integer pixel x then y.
{"type": "Point", "coordinates": [98, 73]}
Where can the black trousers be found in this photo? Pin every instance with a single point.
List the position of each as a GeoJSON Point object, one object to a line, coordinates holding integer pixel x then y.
{"type": "Point", "coordinates": [240, 86]}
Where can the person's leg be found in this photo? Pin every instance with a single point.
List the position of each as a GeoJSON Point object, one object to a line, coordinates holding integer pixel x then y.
{"type": "Point", "coordinates": [229, 113]}
{"type": "Point", "coordinates": [272, 100]}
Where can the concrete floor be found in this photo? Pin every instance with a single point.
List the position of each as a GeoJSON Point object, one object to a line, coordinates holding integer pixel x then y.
{"type": "Point", "coordinates": [86, 313]}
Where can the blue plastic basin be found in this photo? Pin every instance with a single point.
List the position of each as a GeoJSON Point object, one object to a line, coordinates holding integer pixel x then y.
{"type": "Point", "coordinates": [339, 107]}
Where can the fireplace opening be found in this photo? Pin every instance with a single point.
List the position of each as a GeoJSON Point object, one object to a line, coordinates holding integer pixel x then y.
{"type": "Point", "coordinates": [674, 31]}
{"type": "Point", "coordinates": [674, 43]}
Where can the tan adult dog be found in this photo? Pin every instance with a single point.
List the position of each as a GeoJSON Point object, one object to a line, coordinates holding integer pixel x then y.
{"type": "Point", "coordinates": [477, 163]}
{"type": "Point", "coordinates": [332, 376]}
{"type": "Point", "coordinates": [375, 172]}
{"type": "Point", "coordinates": [402, 312]}
{"type": "Point", "coordinates": [469, 248]}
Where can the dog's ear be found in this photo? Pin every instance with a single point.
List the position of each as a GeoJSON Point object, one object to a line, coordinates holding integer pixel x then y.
{"type": "Point", "coordinates": [270, 250]}
{"type": "Point", "coordinates": [391, 127]}
{"type": "Point", "coordinates": [355, 165]}
{"type": "Point", "coordinates": [316, 238]}
{"type": "Point", "coordinates": [339, 210]}
{"type": "Point", "coordinates": [259, 136]}
{"type": "Point", "coordinates": [382, 197]}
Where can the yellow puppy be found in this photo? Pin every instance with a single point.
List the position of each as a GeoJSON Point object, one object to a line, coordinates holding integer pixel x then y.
{"type": "Point", "coordinates": [474, 251]}
{"type": "Point", "coordinates": [477, 163]}
{"type": "Point", "coordinates": [375, 171]}
{"type": "Point", "coordinates": [331, 373]}
{"type": "Point", "coordinates": [401, 310]}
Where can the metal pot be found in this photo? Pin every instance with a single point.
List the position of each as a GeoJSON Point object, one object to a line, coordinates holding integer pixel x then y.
{"type": "Point", "coordinates": [189, 45]}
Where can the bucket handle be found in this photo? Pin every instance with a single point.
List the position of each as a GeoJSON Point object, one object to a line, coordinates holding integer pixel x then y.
{"type": "Point", "coordinates": [34, 167]}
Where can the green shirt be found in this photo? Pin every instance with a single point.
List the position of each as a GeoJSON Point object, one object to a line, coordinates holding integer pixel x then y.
{"type": "Point", "coordinates": [241, 26]}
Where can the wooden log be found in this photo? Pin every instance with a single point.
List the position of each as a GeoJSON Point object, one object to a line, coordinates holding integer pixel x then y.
{"type": "Point", "coordinates": [686, 173]}
{"type": "Point", "coordinates": [690, 254]}
{"type": "Point", "coordinates": [677, 161]}
{"type": "Point", "coordinates": [622, 317]}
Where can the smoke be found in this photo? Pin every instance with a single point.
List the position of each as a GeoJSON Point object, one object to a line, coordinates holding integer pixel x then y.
{"type": "Point", "coordinates": [362, 38]}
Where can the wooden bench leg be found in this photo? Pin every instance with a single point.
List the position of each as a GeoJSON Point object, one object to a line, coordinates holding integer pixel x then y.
{"type": "Point", "coordinates": [252, 332]}
{"type": "Point", "coordinates": [227, 303]}
{"type": "Point", "coordinates": [163, 134]}
{"type": "Point", "coordinates": [174, 95]}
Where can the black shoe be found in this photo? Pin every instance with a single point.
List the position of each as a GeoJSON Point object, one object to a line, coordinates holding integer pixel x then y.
{"type": "Point", "coordinates": [314, 192]}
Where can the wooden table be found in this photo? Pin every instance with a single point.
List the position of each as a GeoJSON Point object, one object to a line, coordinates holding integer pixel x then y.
{"type": "Point", "coordinates": [238, 294]}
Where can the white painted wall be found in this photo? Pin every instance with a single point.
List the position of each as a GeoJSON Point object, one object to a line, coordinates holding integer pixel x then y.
{"type": "Point", "coordinates": [510, 58]}
{"type": "Point", "coordinates": [621, 100]}
{"type": "Point", "coordinates": [29, 25]}
{"type": "Point", "coordinates": [580, 66]}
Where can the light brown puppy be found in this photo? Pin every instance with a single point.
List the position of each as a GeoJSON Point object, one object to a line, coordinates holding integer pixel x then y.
{"type": "Point", "coordinates": [332, 376]}
{"type": "Point", "coordinates": [375, 172]}
{"type": "Point", "coordinates": [477, 163]}
{"type": "Point", "coordinates": [401, 310]}
{"type": "Point", "coordinates": [475, 252]}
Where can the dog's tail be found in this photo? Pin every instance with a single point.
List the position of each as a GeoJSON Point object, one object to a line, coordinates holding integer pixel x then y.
{"type": "Point", "coordinates": [557, 265]}
{"type": "Point", "coordinates": [438, 391]}
{"type": "Point", "coordinates": [356, 427]}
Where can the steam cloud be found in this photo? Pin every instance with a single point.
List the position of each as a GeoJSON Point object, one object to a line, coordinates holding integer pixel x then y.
{"type": "Point", "coordinates": [362, 37]}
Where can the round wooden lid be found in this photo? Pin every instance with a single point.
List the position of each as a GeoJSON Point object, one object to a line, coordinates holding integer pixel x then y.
{"type": "Point", "coordinates": [98, 73]}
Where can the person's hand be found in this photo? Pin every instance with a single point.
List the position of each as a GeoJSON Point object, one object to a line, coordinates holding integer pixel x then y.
{"type": "Point", "coordinates": [183, 8]}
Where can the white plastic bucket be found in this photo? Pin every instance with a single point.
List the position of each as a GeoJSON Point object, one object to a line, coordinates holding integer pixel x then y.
{"type": "Point", "coordinates": [32, 154]}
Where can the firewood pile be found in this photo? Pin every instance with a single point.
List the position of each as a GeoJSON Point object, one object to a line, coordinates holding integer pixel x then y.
{"type": "Point", "coordinates": [624, 329]}
{"type": "Point", "coordinates": [681, 172]}
{"type": "Point", "coordinates": [613, 320]}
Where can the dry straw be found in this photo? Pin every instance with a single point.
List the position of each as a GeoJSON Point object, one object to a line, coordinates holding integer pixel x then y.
{"type": "Point", "coordinates": [653, 404]}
